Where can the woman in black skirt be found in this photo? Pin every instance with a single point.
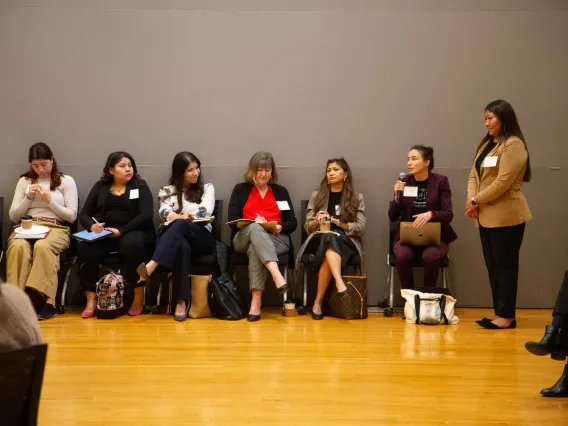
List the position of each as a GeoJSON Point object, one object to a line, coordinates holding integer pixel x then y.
{"type": "Point", "coordinates": [337, 205]}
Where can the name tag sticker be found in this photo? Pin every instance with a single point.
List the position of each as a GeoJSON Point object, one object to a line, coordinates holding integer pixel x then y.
{"type": "Point", "coordinates": [490, 161]}
{"type": "Point", "coordinates": [134, 194]}
{"type": "Point", "coordinates": [337, 210]}
{"type": "Point", "coordinates": [410, 191]}
{"type": "Point", "coordinates": [283, 205]}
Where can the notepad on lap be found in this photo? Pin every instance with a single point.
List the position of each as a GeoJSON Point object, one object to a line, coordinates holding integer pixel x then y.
{"type": "Point", "coordinates": [88, 236]}
{"type": "Point", "coordinates": [31, 236]}
{"type": "Point", "coordinates": [241, 223]}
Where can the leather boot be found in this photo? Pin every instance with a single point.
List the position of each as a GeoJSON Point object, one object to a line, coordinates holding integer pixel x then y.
{"type": "Point", "coordinates": [553, 342]}
{"type": "Point", "coordinates": [560, 389]}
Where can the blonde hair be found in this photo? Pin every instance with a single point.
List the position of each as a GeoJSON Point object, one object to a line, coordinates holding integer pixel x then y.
{"type": "Point", "coordinates": [259, 160]}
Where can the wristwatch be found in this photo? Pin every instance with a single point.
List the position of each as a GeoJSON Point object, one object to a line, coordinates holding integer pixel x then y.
{"type": "Point", "coordinates": [473, 202]}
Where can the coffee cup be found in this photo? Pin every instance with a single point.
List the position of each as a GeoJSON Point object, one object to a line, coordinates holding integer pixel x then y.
{"type": "Point", "coordinates": [325, 226]}
{"type": "Point", "coordinates": [27, 222]}
{"type": "Point", "coordinates": [290, 309]}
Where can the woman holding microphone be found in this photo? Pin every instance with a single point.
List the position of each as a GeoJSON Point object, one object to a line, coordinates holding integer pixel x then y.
{"type": "Point", "coordinates": [496, 200]}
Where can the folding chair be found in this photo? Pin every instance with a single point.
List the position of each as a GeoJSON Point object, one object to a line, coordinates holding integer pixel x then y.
{"type": "Point", "coordinates": [387, 304]}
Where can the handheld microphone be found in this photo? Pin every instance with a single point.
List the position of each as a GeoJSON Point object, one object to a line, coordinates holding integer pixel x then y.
{"type": "Point", "coordinates": [401, 178]}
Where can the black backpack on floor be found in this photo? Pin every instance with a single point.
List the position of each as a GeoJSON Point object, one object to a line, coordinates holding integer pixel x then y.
{"type": "Point", "coordinates": [226, 301]}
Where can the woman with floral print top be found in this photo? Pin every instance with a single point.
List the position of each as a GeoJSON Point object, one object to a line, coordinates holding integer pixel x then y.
{"type": "Point", "coordinates": [183, 201]}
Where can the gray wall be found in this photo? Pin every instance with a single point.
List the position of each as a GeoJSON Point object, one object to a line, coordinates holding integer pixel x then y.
{"type": "Point", "coordinates": [307, 80]}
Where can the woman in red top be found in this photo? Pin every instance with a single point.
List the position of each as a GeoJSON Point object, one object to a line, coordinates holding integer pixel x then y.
{"type": "Point", "coordinates": [262, 200]}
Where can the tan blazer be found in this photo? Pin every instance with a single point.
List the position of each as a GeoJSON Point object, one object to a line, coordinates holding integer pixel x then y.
{"type": "Point", "coordinates": [498, 191]}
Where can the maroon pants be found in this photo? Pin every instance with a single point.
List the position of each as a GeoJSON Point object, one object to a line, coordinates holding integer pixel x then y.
{"type": "Point", "coordinates": [405, 256]}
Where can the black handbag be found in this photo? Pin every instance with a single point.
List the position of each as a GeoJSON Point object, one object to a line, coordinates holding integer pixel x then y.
{"type": "Point", "coordinates": [226, 301]}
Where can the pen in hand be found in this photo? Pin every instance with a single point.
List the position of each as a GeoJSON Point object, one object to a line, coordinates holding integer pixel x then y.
{"type": "Point", "coordinates": [97, 227]}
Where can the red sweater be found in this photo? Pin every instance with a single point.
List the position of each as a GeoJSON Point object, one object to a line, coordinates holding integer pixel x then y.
{"type": "Point", "coordinates": [265, 207]}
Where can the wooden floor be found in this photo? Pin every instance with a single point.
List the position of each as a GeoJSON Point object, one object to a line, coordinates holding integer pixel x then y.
{"type": "Point", "coordinates": [150, 370]}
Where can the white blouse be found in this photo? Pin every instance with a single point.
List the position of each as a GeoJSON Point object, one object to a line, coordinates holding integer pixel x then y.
{"type": "Point", "coordinates": [167, 196]}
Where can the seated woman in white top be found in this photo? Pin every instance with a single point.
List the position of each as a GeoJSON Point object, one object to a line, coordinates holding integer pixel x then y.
{"type": "Point", "coordinates": [185, 199]}
{"type": "Point", "coordinates": [50, 198]}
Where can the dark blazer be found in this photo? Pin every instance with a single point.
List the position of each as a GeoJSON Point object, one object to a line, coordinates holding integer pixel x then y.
{"type": "Point", "coordinates": [141, 209]}
{"type": "Point", "coordinates": [438, 200]}
{"type": "Point", "coordinates": [240, 196]}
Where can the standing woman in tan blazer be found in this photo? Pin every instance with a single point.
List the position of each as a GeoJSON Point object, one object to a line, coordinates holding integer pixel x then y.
{"type": "Point", "coordinates": [496, 200]}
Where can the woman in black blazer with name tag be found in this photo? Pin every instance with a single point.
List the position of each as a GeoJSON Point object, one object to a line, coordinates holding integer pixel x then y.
{"type": "Point", "coordinates": [120, 202]}
{"type": "Point", "coordinates": [427, 197]}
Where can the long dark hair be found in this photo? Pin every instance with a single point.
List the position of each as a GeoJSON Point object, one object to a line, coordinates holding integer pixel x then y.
{"type": "Point", "coordinates": [193, 192]}
{"type": "Point", "coordinates": [112, 160]}
{"type": "Point", "coordinates": [509, 127]}
{"type": "Point", "coordinates": [349, 200]}
{"type": "Point", "coordinates": [40, 151]}
{"type": "Point", "coordinates": [427, 153]}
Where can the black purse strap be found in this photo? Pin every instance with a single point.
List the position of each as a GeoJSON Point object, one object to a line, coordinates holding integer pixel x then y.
{"type": "Point", "coordinates": [417, 307]}
{"type": "Point", "coordinates": [443, 309]}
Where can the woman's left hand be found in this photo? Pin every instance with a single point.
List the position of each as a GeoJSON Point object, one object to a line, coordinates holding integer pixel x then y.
{"type": "Point", "coordinates": [115, 232]}
{"type": "Point", "coordinates": [44, 195]}
{"type": "Point", "coordinates": [469, 207]}
{"type": "Point", "coordinates": [421, 219]}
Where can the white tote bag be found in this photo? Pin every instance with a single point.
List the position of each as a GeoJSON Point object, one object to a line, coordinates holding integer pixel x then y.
{"type": "Point", "coordinates": [429, 308]}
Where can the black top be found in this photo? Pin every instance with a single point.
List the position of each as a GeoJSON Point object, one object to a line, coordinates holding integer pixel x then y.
{"type": "Point", "coordinates": [419, 203]}
{"type": "Point", "coordinates": [334, 203]}
{"type": "Point", "coordinates": [488, 148]}
{"type": "Point", "coordinates": [116, 211]}
{"type": "Point", "coordinates": [240, 196]}
{"type": "Point", "coordinates": [137, 211]}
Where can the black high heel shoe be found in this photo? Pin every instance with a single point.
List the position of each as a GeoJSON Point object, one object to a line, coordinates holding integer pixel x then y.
{"type": "Point", "coordinates": [344, 292]}
{"type": "Point", "coordinates": [283, 289]}
{"type": "Point", "coordinates": [317, 317]}
{"type": "Point", "coordinates": [253, 318]}
{"type": "Point", "coordinates": [553, 342]}
{"type": "Point", "coordinates": [560, 389]}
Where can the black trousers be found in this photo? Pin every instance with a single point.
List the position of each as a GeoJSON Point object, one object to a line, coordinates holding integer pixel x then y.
{"type": "Point", "coordinates": [133, 247]}
{"type": "Point", "coordinates": [175, 245]}
{"type": "Point", "coordinates": [561, 307]}
{"type": "Point", "coordinates": [501, 248]}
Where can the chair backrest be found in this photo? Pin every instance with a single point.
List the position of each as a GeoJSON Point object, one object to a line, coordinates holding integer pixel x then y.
{"type": "Point", "coordinates": [216, 225]}
{"type": "Point", "coordinates": [73, 229]}
{"type": "Point", "coordinates": [21, 378]}
{"type": "Point", "coordinates": [303, 214]}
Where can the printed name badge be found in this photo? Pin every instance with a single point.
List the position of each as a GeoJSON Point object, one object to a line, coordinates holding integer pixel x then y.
{"type": "Point", "coordinates": [337, 210]}
{"type": "Point", "coordinates": [490, 161]}
{"type": "Point", "coordinates": [410, 191]}
{"type": "Point", "coordinates": [134, 194]}
{"type": "Point", "coordinates": [283, 205]}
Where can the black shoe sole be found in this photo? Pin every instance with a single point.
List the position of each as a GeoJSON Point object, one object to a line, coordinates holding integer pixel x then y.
{"type": "Point", "coordinates": [558, 395]}
{"type": "Point", "coordinates": [42, 318]}
{"type": "Point", "coordinates": [253, 318]}
{"type": "Point", "coordinates": [317, 317]}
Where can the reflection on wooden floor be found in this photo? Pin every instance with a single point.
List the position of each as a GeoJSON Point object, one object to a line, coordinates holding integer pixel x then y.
{"type": "Point", "coordinates": [150, 370]}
